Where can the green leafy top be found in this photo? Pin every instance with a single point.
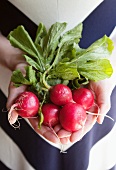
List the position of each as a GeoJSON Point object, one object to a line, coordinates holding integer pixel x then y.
{"type": "Point", "coordinates": [56, 57]}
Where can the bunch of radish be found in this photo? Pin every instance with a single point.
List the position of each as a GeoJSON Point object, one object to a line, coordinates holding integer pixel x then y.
{"type": "Point", "coordinates": [54, 58]}
{"type": "Point", "coordinates": [67, 107]}
{"type": "Point", "coordinates": [73, 105]}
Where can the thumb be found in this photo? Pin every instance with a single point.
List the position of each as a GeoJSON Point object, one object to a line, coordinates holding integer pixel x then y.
{"type": "Point", "coordinates": [13, 93]}
{"type": "Point", "coordinates": [104, 108]}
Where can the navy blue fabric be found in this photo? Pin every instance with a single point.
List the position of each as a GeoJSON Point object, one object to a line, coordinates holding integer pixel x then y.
{"type": "Point", "coordinates": [3, 167]}
{"type": "Point", "coordinates": [10, 18]}
{"type": "Point", "coordinates": [101, 21]}
{"type": "Point", "coordinates": [40, 154]}
{"type": "Point", "coordinates": [113, 168]}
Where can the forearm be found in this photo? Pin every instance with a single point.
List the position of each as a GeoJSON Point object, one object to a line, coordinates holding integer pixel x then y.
{"type": "Point", "coordinates": [9, 56]}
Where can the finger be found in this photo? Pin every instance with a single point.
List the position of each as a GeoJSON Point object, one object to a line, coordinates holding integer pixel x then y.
{"type": "Point", "coordinates": [57, 128]}
{"type": "Point", "coordinates": [65, 140]}
{"type": "Point", "coordinates": [49, 135]}
{"type": "Point", "coordinates": [44, 131]}
{"type": "Point", "coordinates": [103, 93]}
{"type": "Point", "coordinates": [63, 133]}
{"type": "Point", "coordinates": [34, 123]}
{"type": "Point", "coordinates": [13, 93]}
{"type": "Point", "coordinates": [104, 108]}
{"type": "Point", "coordinates": [78, 135]}
{"type": "Point", "coordinates": [91, 120]}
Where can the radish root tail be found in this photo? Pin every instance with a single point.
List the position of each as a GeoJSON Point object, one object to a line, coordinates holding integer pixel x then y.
{"type": "Point", "coordinates": [62, 148]}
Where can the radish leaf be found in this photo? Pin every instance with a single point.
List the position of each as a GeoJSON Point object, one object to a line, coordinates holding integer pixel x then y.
{"type": "Point", "coordinates": [95, 70]}
{"type": "Point", "coordinates": [41, 32]}
{"type": "Point", "coordinates": [19, 79]}
{"type": "Point", "coordinates": [65, 70]}
{"type": "Point", "coordinates": [20, 38]}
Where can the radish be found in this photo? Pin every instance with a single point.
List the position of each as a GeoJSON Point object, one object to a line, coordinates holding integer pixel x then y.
{"type": "Point", "coordinates": [26, 105]}
{"type": "Point", "coordinates": [51, 114]}
{"type": "Point", "coordinates": [72, 117]}
{"type": "Point", "coordinates": [60, 94]}
{"type": "Point", "coordinates": [84, 97]}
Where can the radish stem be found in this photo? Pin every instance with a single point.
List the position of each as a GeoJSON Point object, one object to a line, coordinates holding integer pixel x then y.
{"type": "Point", "coordinates": [44, 74]}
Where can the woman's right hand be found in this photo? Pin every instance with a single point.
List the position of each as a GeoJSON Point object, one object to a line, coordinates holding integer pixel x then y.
{"type": "Point", "coordinates": [13, 94]}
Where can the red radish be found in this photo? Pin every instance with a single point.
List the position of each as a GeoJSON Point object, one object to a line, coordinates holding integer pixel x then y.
{"type": "Point", "coordinates": [26, 104]}
{"type": "Point", "coordinates": [72, 117]}
{"type": "Point", "coordinates": [84, 97]}
{"type": "Point", "coordinates": [60, 94]}
{"type": "Point", "coordinates": [51, 114]}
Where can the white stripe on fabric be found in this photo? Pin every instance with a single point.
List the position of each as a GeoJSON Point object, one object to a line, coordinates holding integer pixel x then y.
{"type": "Point", "coordinates": [48, 12]}
{"type": "Point", "coordinates": [103, 153]}
{"type": "Point", "coordinates": [10, 155]}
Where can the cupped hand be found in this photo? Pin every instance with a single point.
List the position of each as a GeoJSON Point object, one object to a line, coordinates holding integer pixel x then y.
{"type": "Point", "coordinates": [102, 91]}
{"type": "Point", "coordinates": [14, 92]}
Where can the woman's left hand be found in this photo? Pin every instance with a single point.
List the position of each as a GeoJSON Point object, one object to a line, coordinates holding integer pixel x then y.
{"type": "Point", "coordinates": [102, 91]}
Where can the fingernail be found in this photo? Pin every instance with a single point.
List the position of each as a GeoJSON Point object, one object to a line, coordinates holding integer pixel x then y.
{"type": "Point", "coordinates": [101, 120]}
